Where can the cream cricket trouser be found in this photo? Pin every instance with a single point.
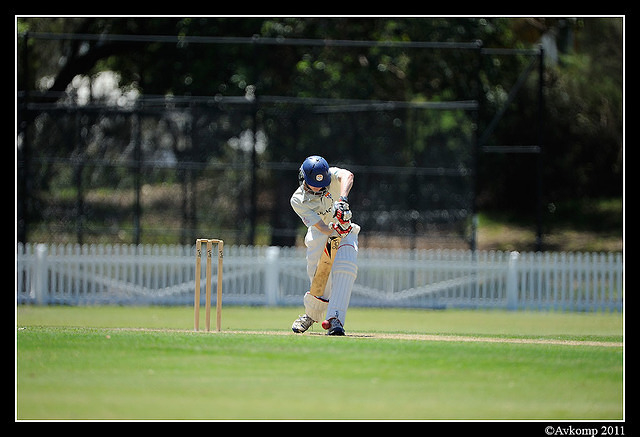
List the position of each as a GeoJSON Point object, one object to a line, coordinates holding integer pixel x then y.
{"type": "Point", "coordinates": [340, 282]}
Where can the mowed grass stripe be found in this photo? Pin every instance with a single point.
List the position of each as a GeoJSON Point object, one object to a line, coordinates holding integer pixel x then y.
{"type": "Point", "coordinates": [471, 323]}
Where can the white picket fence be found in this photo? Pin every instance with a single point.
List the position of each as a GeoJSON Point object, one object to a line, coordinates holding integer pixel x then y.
{"type": "Point", "coordinates": [165, 275]}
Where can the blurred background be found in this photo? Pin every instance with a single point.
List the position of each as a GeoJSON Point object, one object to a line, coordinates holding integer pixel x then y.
{"type": "Point", "coordinates": [487, 133]}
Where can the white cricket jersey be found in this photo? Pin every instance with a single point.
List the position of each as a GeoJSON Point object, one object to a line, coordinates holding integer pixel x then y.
{"type": "Point", "coordinates": [311, 208]}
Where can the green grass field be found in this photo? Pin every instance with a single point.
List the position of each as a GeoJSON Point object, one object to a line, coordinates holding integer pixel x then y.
{"type": "Point", "coordinates": [129, 363]}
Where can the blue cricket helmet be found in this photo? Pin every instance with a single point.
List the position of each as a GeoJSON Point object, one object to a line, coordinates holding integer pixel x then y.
{"type": "Point", "coordinates": [315, 172]}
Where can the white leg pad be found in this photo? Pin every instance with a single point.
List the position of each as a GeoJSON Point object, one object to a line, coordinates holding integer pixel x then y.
{"type": "Point", "coordinates": [344, 273]}
{"type": "Point", "coordinates": [315, 307]}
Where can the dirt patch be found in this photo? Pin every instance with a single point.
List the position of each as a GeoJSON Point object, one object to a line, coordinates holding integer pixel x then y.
{"type": "Point", "coordinates": [459, 338]}
{"type": "Point", "coordinates": [397, 336]}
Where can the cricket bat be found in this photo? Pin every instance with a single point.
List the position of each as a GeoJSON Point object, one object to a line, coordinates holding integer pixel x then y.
{"type": "Point", "coordinates": [325, 263]}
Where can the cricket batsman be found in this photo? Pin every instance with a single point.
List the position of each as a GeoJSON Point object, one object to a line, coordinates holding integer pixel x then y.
{"type": "Point", "coordinates": [321, 201]}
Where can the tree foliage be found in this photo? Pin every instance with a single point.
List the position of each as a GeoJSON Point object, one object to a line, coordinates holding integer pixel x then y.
{"type": "Point", "coordinates": [583, 90]}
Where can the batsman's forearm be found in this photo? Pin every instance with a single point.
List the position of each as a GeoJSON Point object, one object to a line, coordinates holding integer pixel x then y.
{"type": "Point", "coordinates": [346, 183]}
{"type": "Point", "coordinates": [324, 228]}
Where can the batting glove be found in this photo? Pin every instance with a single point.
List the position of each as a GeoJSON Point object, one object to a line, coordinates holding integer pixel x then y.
{"type": "Point", "coordinates": [342, 229]}
{"type": "Point", "coordinates": [341, 211]}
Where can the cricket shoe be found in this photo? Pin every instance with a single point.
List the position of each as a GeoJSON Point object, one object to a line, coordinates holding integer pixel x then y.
{"type": "Point", "coordinates": [333, 326]}
{"type": "Point", "coordinates": [302, 323]}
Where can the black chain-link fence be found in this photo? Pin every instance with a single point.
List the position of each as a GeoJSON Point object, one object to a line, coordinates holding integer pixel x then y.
{"type": "Point", "coordinates": [168, 170]}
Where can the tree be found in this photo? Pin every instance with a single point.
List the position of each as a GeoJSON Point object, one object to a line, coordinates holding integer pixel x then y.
{"type": "Point", "coordinates": [583, 91]}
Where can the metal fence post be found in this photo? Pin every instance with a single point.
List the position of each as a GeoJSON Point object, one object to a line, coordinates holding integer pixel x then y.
{"type": "Point", "coordinates": [272, 274]}
{"type": "Point", "coordinates": [512, 281]}
{"type": "Point", "coordinates": [41, 285]}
